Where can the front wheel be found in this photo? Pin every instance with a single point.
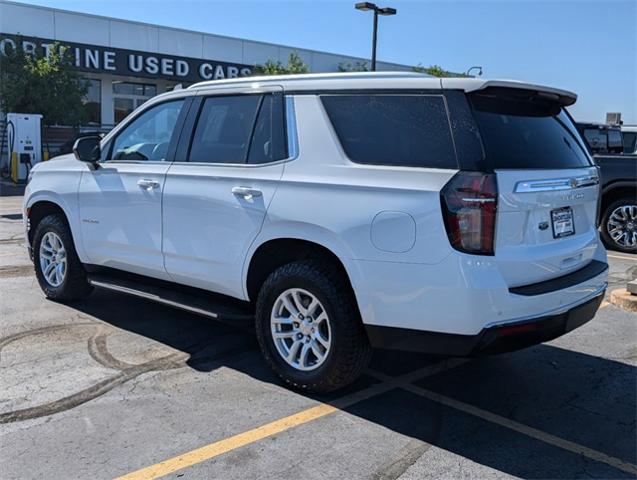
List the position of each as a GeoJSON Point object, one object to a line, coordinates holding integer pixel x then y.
{"type": "Point", "coordinates": [309, 328]}
{"type": "Point", "coordinates": [57, 267]}
{"type": "Point", "coordinates": [619, 225]}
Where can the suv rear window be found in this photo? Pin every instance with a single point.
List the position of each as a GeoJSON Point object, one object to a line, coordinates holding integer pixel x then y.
{"type": "Point", "coordinates": [520, 131]}
{"type": "Point", "coordinates": [393, 129]}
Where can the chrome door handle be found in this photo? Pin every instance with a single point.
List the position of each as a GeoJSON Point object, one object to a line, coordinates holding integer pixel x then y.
{"type": "Point", "coordinates": [246, 192]}
{"type": "Point", "coordinates": [147, 184]}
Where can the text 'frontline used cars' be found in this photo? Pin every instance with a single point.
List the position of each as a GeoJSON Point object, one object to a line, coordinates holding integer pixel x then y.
{"type": "Point", "coordinates": [340, 211]}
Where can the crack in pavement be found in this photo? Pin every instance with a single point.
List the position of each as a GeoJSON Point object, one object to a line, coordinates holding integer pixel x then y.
{"type": "Point", "coordinates": [398, 464]}
{"type": "Point", "coordinates": [97, 349]}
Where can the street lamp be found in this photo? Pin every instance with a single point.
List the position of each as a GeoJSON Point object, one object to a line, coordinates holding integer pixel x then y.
{"type": "Point", "coordinates": [364, 6]}
{"type": "Point", "coordinates": [472, 68]}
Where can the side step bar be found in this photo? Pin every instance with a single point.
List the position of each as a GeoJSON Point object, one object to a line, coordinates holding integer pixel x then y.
{"type": "Point", "coordinates": [194, 300]}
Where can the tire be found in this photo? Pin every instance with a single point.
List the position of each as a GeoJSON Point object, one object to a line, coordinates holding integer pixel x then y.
{"type": "Point", "coordinates": [612, 217]}
{"type": "Point", "coordinates": [349, 350]}
{"type": "Point", "coordinates": [73, 284]}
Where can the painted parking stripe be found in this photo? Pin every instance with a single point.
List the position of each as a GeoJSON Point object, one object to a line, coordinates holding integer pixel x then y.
{"type": "Point", "coordinates": [622, 257]}
{"type": "Point", "coordinates": [517, 426]}
{"type": "Point", "coordinates": [226, 445]}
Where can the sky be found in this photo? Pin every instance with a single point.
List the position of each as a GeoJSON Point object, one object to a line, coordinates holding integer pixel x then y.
{"type": "Point", "coordinates": [586, 46]}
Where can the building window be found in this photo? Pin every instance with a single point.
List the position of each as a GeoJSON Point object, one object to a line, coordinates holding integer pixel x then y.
{"type": "Point", "coordinates": [123, 106]}
{"type": "Point", "coordinates": [138, 89]}
{"type": "Point", "coordinates": [127, 96]}
{"type": "Point", "coordinates": [93, 101]}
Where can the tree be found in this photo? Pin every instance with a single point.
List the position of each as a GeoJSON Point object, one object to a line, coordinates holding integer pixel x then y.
{"type": "Point", "coordinates": [353, 67]}
{"type": "Point", "coordinates": [272, 67]}
{"type": "Point", "coordinates": [48, 85]}
{"type": "Point", "coordinates": [436, 71]}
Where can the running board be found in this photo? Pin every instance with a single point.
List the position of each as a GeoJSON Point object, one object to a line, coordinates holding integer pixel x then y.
{"type": "Point", "coordinates": [194, 300]}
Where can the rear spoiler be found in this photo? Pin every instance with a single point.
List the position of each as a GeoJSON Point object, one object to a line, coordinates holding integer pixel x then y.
{"type": "Point", "coordinates": [563, 97]}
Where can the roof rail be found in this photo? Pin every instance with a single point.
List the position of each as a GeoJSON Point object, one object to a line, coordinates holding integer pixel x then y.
{"type": "Point", "coordinates": [306, 76]}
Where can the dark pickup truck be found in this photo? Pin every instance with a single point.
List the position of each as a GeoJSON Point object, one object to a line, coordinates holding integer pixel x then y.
{"type": "Point", "coordinates": [619, 201]}
{"type": "Point", "coordinates": [618, 221]}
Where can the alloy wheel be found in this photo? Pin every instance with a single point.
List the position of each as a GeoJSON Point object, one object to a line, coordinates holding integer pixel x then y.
{"type": "Point", "coordinates": [53, 259]}
{"type": "Point", "coordinates": [622, 226]}
{"type": "Point", "coordinates": [301, 329]}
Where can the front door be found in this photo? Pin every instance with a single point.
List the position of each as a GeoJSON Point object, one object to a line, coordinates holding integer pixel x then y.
{"type": "Point", "coordinates": [120, 201]}
{"type": "Point", "coordinates": [215, 202]}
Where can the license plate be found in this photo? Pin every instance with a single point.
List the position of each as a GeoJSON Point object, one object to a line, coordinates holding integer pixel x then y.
{"type": "Point", "coordinates": [562, 220]}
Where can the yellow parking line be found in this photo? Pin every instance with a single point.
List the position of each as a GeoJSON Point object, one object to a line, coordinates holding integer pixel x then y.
{"type": "Point", "coordinates": [225, 445]}
{"type": "Point", "coordinates": [604, 304]}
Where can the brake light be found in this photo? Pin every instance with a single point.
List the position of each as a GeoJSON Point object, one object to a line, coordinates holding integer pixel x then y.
{"type": "Point", "coordinates": [469, 203]}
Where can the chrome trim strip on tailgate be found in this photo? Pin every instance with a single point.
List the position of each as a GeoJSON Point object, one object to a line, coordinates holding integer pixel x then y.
{"type": "Point", "coordinates": [553, 184]}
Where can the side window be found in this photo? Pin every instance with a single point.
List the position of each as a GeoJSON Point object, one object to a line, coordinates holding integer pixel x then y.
{"type": "Point", "coordinates": [223, 130]}
{"type": "Point", "coordinates": [596, 139]}
{"type": "Point", "coordinates": [149, 135]}
{"type": "Point", "coordinates": [402, 130]}
{"type": "Point", "coordinates": [269, 140]}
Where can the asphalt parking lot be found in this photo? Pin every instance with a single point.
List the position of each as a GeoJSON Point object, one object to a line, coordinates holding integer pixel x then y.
{"type": "Point", "coordinates": [115, 386]}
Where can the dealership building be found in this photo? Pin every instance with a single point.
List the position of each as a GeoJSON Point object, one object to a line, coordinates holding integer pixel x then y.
{"type": "Point", "coordinates": [128, 62]}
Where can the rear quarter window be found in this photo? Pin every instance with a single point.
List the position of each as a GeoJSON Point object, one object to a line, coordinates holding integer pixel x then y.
{"type": "Point", "coordinates": [393, 129]}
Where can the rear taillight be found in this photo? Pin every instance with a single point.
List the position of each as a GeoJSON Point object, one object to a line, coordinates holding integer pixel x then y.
{"type": "Point", "coordinates": [469, 202]}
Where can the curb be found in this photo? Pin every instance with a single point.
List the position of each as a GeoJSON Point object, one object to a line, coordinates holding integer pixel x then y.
{"type": "Point", "coordinates": [624, 299]}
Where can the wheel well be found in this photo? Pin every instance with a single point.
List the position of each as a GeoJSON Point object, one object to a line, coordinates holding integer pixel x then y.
{"type": "Point", "coordinates": [276, 253]}
{"type": "Point", "coordinates": [615, 193]}
{"type": "Point", "coordinates": [38, 211]}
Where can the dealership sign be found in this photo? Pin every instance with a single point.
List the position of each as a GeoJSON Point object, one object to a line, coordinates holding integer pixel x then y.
{"type": "Point", "coordinates": [119, 61]}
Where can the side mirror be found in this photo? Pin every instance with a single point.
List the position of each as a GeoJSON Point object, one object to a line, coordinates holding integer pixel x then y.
{"type": "Point", "coordinates": [87, 149]}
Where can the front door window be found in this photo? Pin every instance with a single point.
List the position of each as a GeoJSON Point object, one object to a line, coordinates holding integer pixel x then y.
{"type": "Point", "coordinates": [147, 137]}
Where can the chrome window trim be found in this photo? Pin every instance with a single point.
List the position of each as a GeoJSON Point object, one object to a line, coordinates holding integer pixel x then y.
{"type": "Point", "coordinates": [555, 184]}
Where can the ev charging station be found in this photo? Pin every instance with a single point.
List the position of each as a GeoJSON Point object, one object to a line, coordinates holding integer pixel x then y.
{"type": "Point", "coordinates": [24, 142]}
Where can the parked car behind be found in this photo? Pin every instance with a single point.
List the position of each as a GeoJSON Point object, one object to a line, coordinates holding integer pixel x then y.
{"type": "Point", "coordinates": [618, 170]}
{"type": "Point", "coordinates": [340, 212]}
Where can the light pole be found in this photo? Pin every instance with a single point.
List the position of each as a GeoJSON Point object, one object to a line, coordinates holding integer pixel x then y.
{"type": "Point", "coordinates": [472, 68]}
{"type": "Point", "coordinates": [364, 6]}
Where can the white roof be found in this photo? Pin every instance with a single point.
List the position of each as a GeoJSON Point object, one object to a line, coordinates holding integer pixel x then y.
{"type": "Point", "coordinates": [380, 80]}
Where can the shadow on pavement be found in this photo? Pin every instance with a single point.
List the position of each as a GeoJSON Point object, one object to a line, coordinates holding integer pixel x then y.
{"type": "Point", "coordinates": [578, 397]}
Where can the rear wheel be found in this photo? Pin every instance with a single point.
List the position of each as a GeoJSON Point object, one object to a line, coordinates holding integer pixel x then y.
{"type": "Point", "coordinates": [309, 328]}
{"type": "Point", "coordinates": [619, 225]}
{"type": "Point", "coordinates": [57, 266]}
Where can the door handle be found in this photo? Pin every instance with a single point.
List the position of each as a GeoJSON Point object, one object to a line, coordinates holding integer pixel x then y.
{"type": "Point", "coordinates": [246, 192]}
{"type": "Point", "coordinates": [147, 184]}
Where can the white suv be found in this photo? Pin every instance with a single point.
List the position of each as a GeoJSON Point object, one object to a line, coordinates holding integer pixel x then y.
{"type": "Point", "coordinates": [339, 211]}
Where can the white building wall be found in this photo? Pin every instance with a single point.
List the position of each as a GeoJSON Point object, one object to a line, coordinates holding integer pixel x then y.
{"type": "Point", "coordinates": [65, 26]}
{"type": "Point", "coordinates": [44, 22]}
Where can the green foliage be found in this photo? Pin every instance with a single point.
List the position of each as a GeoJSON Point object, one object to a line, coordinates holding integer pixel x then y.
{"type": "Point", "coordinates": [38, 84]}
{"type": "Point", "coordinates": [353, 67]}
{"type": "Point", "coordinates": [436, 71]}
{"type": "Point", "coordinates": [271, 67]}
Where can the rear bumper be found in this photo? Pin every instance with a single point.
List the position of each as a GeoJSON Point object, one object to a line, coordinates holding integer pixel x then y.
{"type": "Point", "coordinates": [495, 339]}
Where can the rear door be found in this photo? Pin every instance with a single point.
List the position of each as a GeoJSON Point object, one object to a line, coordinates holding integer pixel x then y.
{"type": "Point", "coordinates": [548, 187]}
{"type": "Point", "coordinates": [229, 163]}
